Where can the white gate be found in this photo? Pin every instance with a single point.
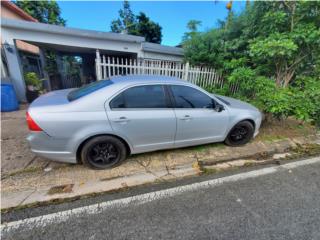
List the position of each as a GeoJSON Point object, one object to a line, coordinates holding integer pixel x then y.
{"type": "Point", "coordinates": [200, 75]}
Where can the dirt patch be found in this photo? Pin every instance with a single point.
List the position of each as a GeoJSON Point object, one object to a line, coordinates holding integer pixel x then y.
{"type": "Point", "coordinates": [311, 149]}
{"type": "Point", "coordinates": [67, 188]}
{"type": "Point", "coordinates": [274, 130]}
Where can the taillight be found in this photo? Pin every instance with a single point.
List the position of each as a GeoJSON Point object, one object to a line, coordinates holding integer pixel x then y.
{"type": "Point", "coordinates": [33, 126]}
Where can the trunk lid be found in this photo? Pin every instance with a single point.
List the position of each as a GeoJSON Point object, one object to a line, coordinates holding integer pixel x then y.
{"type": "Point", "coordinates": [52, 100]}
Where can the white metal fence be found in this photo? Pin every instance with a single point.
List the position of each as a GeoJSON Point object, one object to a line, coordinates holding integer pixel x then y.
{"type": "Point", "coordinates": [112, 66]}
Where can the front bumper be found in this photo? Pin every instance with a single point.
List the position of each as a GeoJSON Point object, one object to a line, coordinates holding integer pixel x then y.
{"type": "Point", "coordinates": [51, 148]}
{"type": "Point", "coordinates": [258, 121]}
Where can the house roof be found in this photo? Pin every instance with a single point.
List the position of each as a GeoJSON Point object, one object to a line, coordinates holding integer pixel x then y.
{"type": "Point", "coordinates": [14, 8]}
{"type": "Point", "coordinates": [49, 28]}
{"type": "Point", "coordinates": [61, 30]}
{"type": "Point", "coordinates": [158, 48]}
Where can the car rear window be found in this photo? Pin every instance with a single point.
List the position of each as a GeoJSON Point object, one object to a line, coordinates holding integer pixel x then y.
{"type": "Point", "coordinates": [87, 89]}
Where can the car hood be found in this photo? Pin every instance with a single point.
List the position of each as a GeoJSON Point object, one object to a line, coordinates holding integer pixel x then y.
{"type": "Point", "coordinates": [235, 103]}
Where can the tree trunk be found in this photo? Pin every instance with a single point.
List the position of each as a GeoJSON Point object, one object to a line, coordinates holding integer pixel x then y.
{"type": "Point", "coordinates": [287, 78]}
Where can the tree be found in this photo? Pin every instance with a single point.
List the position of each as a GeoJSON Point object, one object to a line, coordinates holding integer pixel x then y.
{"type": "Point", "coordinates": [44, 11]}
{"type": "Point", "coordinates": [192, 26]}
{"type": "Point", "coordinates": [290, 42]}
{"type": "Point", "coordinates": [126, 21]}
{"type": "Point", "coordinates": [148, 29]}
{"type": "Point", "coordinates": [140, 25]}
{"type": "Point", "coordinates": [271, 51]}
{"type": "Point", "coordinates": [278, 39]}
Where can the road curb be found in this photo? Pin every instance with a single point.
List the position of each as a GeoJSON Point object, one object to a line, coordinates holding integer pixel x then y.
{"type": "Point", "coordinates": [36, 197]}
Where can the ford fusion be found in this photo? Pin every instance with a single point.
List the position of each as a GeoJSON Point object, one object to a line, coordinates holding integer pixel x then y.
{"type": "Point", "coordinates": [102, 123]}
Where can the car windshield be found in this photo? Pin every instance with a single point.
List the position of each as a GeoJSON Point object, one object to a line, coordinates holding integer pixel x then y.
{"type": "Point", "coordinates": [87, 89]}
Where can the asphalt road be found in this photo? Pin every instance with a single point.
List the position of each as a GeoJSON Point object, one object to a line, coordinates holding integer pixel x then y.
{"type": "Point", "coordinates": [269, 203]}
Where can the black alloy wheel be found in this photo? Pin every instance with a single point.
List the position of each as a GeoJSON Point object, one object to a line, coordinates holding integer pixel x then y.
{"type": "Point", "coordinates": [240, 134]}
{"type": "Point", "coordinates": [103, 152]}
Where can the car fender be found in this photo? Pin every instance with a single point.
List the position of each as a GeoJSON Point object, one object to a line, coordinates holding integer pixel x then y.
{"type": "Point", "coordinates": [236, 118]}
{"type": "Point", "coordinates": [93, 131]}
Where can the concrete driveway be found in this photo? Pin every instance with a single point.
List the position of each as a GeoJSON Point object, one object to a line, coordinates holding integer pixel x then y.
{"type": "Point", "coordinates": [15, 153]}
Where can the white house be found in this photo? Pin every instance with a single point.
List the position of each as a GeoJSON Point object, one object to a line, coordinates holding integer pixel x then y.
{"type": "Point", "coordinates": [76, 42]}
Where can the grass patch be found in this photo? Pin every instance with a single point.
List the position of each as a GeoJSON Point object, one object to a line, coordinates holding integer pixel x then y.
{"type": "Point", "coordinates": [21, 171]}
{"type": "Point", "coordinates": [274, 130]}
{"type": "Point", "coordinates": [211, 170]}
{"type": "Point", "coordinates": [272, 138]}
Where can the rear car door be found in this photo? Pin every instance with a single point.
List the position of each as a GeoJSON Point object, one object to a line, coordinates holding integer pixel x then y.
{"type": "Point", "coordinates": [197, 121]}
{"type": "Point", "coordinates": [143, 115]}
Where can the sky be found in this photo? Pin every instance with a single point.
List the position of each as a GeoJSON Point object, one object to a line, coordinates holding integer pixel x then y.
{"type": "Point", "coordinates": [172, 16]}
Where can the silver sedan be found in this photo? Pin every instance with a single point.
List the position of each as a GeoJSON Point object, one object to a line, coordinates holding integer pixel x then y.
{"type": "Point", "coordinates": [100, 124]}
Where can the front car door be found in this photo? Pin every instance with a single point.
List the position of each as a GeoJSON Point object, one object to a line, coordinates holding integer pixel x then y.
{"type": "Point", "coordinates": [143, 115]}
{"type": "Point", "coordinates": [197, 121]}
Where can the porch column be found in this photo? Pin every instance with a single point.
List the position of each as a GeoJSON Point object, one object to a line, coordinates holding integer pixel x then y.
{"type": "Point", "coordinates": [43, 66]}
{"type": "Point", "coordinates": [98, 65]}
{"type": "Point", "coordinates": [14, 67]}
{"type": "Point", "coordinates": [61, 69]}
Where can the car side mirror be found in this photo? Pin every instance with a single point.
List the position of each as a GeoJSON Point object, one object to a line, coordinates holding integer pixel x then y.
{"type": "Point", "coordinates": [219, 107]}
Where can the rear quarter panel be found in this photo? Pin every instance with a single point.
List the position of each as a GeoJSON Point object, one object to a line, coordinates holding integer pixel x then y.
{"type": "Point", "coordinates": [73, 127]}
{"type": "Point", "coordinates": [73, 122]}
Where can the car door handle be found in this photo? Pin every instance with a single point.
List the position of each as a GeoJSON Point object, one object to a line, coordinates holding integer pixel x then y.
{"type": "Point", "coordinates": [121, 120]}
{"type": "Point", "coordinates": [186, 117]}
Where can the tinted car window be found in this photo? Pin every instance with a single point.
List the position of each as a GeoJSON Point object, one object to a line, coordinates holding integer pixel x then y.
{"type": "Point", "coordinates": [118, 102]}
{"type": "Point", "coordinates": [188, 97]}
{"type": "Point", "coordinates": [149, 96]}
{"type": "Point", "coordinates": [87, 89]}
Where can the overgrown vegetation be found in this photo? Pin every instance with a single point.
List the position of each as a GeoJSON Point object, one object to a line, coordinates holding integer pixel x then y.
{"type": "Point", "coordinates": [44, 11]}
{"type": "Point", "coordinates": [271, 51]}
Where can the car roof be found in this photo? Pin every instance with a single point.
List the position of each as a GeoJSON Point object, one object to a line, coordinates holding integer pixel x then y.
{"type": "Point", "coordinates": [132, 79]}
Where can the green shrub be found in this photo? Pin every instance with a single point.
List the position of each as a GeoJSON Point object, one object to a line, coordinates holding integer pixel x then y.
{"type": "Point", "coordinates": [271, 52]}
{"type": "Point", "coordinates": [306, 101]}
{"type": "Point", "coordinates": [32, 79]}
{"type": "Point", "coordinates": [301, 100]}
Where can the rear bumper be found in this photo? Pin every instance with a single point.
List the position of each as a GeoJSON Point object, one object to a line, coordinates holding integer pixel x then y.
{"type": "Point", "coordinates": [48, 147]}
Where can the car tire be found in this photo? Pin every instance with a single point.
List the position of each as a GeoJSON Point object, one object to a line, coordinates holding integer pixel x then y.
{"type": "Point", "coordinates": [103, 152]}
{"type": "Point", "coordinates": [240, 134]}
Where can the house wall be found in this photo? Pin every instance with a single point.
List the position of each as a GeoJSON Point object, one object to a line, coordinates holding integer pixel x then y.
{"type": "Point", "coordinates": [162, 56]}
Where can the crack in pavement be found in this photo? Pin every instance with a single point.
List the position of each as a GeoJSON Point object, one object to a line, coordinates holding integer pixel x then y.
{"type": "Point", "coordinates": [27, 197]}
{"type": "Point", "coordinates": [145, 166]}
{"type": "Point", "coordinates": [30, 162]}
